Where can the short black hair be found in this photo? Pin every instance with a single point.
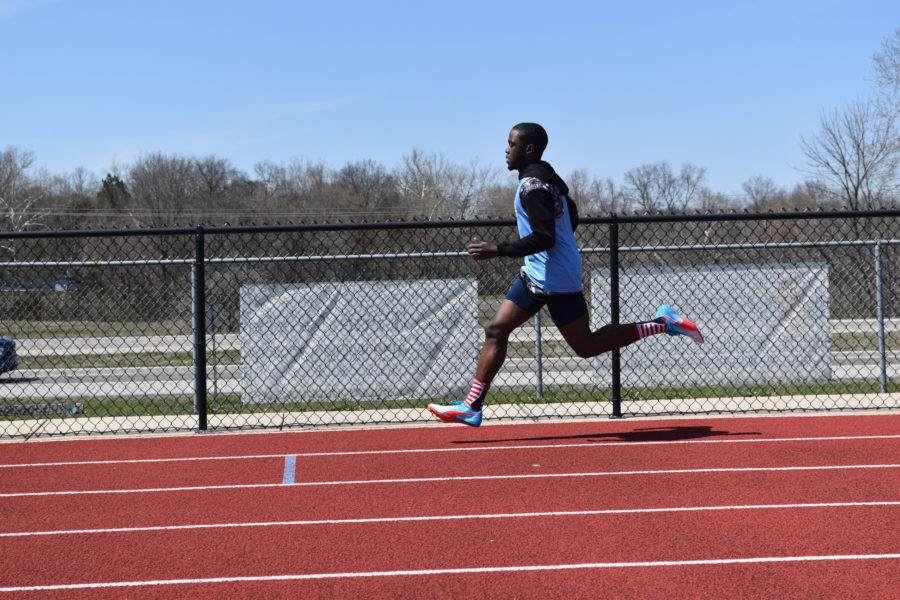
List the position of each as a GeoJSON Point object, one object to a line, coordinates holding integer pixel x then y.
{"type": "Point", "coordinates": [532, 133]}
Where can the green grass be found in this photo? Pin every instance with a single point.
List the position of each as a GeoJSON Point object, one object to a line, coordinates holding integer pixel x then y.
{"type": "Point", "coordinates": [845, 342]}
{"type": "Point", "coordinates": [863, 342]}
{"type": "Point", "coordinates": [76, 329]}
{"type": "Point", "coordinates": [126, 360]}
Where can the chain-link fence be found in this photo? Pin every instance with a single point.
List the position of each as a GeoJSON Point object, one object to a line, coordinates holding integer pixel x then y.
{"type": "Point", "coordinates": [283, 326]}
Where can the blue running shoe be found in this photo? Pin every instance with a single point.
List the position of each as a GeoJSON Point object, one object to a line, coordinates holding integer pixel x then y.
{"type": "Point", "coordinates": [678, 325]}
{"type": "Point", "coordinates": [457, 412]}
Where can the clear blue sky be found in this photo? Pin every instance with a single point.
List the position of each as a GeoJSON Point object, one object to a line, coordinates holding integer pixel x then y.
{"type": "Point", "coordinates": [729, 86]}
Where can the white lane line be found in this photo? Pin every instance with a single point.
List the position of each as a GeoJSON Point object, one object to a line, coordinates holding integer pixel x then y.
{"type": "Point", "coordinates": [460, 571]}
{"type": "Point", "coordinates": [445, 479]}
{"type": "Point", "coordinates": [598, 444]}
{"type": "Point", "coordinates": [464, 517]}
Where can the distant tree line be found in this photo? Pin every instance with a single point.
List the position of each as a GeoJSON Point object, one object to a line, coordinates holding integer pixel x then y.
{"type": "Point", "coordinates": [853, 162]}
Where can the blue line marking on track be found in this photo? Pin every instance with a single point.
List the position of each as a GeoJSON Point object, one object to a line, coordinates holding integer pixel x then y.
{"type": "Point", "coordinates": [290, 467]}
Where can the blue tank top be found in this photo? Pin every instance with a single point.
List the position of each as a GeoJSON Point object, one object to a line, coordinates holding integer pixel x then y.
{"type": "Point", "coordinates": [557, 270]}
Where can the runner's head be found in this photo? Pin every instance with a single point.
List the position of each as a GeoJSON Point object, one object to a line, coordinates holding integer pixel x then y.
{"type": "Point", "coordinates": [526, 145]}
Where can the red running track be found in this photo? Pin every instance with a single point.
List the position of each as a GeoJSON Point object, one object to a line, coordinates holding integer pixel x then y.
{"type": "Point", "coordinates": [799, 507]}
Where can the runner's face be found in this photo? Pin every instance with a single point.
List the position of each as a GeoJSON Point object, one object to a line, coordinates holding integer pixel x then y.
{"type": "Point", "coordinates": [517, 152]}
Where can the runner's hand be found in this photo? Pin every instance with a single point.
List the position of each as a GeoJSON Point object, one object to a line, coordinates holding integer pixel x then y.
{"type": "Point", "coordinates": [480, 250]}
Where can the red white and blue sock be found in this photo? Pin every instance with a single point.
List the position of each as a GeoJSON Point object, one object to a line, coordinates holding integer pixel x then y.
{"type": "Point", "coordinates": [648, 328]}
{"type": "Point", "coordinates": [475, 399]}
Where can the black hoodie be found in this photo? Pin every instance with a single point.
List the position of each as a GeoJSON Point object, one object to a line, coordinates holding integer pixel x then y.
{"type": "Point", "coordinates": [540, 206]}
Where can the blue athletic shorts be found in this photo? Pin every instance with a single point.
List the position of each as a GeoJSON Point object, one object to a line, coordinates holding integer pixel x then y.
{"type": "Point", "coordinates": [564, 308]}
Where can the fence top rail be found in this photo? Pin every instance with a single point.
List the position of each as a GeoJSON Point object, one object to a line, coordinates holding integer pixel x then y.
{"type": "Point", "coordinates": [610, 219]}
{"type": "Point", "coordinates": [769, 216]}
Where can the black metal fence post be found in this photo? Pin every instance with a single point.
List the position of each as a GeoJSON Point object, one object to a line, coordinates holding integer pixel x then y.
{"type": "Point", "coordinates": [199, 305]}
{"type": "Point", "coordinates": [614, 313]}
{"type": "Point", "coordinates": [879, 314]}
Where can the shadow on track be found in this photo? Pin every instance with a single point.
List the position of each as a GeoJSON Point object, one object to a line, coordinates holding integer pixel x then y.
{"type": "Point", "coordinates": [644, 434]}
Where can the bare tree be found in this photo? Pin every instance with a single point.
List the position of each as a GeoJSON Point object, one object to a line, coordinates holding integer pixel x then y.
{"type": "Point", "coordinates": [498, 198]}
{"type": "Point", "coordinates": [809, 195]}
{"type": "Point", "coordinates": [856, 154]}
{"type": "Point", "coordinates": [596, 196]}
{"type": "Point", "coordinates": [300, 188]}
{"type": "Point", "coordinates": [685, 188]}
{"type": "Point", "coordinates": [609, 197]}
{"type": "Point", "coordinates": [465, 190]}
{"type": "Point", "coordinates": [655, 187]}
{"type": "Point", "coordinates": [579, 183]}
{"type": "Point", "coordinates": [313, 180]}
{"type": "Point", "coordinates": [163, 189]}
{"type": "Point", "coordinates": [214, 176]}
{"type": "Point", "coordinates": [887, 69]}
{"type": "Point", "coordinates": [641, 185]}
{"type": "Point", "coordinates": [274, 180]}
{"type": "Point", "coordinates": [375, 190]}
{"type": "Point", "coordinates": [72, 200]}
{"type": "Point", "coordinates": [20, 194]}
{"type": "Point", "coordinates": [761, 192]}
{"type": "Point", "coordinates": [418, 177]}
{"type": "Point", "coordinates": [434, 187]}
{"type": "Point", "coordinates": [708, 201]}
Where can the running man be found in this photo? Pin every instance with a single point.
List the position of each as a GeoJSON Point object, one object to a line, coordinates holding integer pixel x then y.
{"type": "Point", "coordinates": [551, 276]}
